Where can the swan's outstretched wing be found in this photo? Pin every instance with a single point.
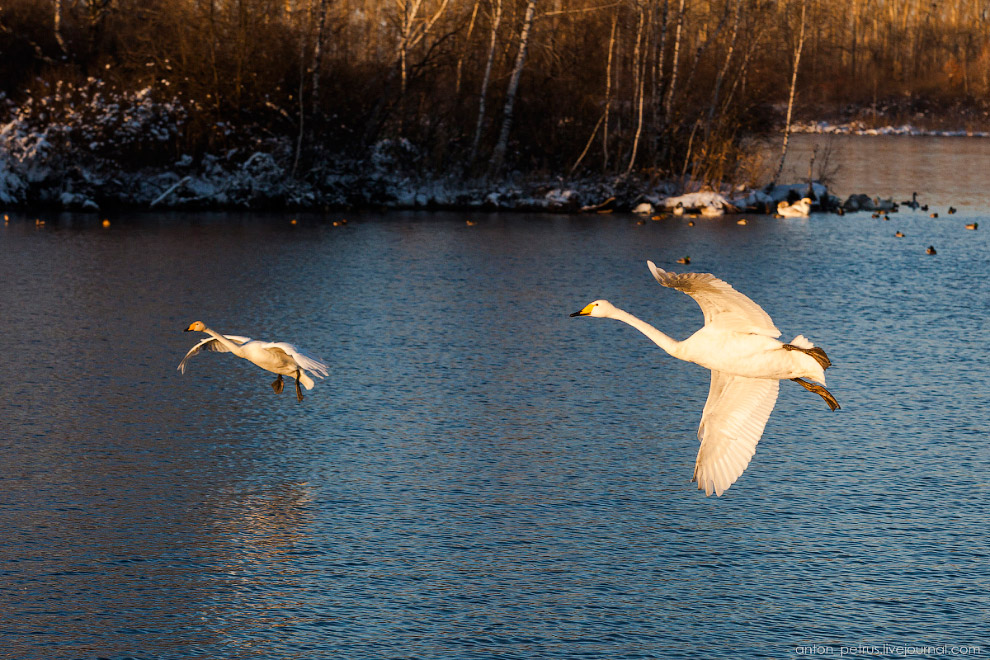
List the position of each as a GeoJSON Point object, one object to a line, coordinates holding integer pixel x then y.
{"type": "Point", "coordinates": [721, 304]}
{"type": "Point", "coordinates": [210, 344]}
{"type": "Point", "coordinates": [307, 362]}
{"type": "Point", "coordinates": [735, 414]}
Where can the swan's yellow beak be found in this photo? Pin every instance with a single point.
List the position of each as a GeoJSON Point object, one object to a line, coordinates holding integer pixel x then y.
{"type": "Point", "coordinates": [190, 328]}
{"type": "Point", "coordinates": [586, 311]}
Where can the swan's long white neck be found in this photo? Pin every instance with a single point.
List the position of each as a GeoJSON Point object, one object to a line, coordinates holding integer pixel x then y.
{"type": "Point", "coordinates": [231, 346]}
{"type": "Point", "coordinates": [668, 344]}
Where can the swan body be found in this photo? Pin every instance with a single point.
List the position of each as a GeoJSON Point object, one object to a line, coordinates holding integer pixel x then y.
{"type": "Point", "coordinates": [714, 211]}
{"type": "Point", "coordinates": [739, 344]}
{"type": "Point", "coordinates": [279, 358]}
{"type": "Point", "coordinates": [799, 209]}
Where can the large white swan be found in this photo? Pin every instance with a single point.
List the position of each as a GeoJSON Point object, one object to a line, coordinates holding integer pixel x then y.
{"type": "Point", "coordinates": [799, 209]}
{"type": "Point", "coordinates": [738, 343]}
{"type": "Point", "coordinates": [277, 357]}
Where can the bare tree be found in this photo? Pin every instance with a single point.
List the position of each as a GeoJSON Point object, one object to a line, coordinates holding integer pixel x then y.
{"type": "Point", "coordinates": [321, 24]}
{"type": "Point", "coordinates": [790, 98]}
{"type": "Point", "coordinates": [412, 29]}
{"type": "Point", "coordinates": [674, 61]}
{"type": "Point", "coordinates": [498, 156]}
{"type": "Point", "coordinates": [58, 28]}
{"type": "Point", "coordinates": [639, 80]}
{"type": "Point", "coordinates": [496, 21]}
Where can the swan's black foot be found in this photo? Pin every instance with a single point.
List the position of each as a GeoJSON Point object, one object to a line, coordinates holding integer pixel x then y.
{"type": "Point", "coordinates": [278, 385]}
{"type": "Point", "coordinates": [820, 391]}
{"type": "Point", "coordinates": [299, 395]}
{"type": "Point", "coordinates": [815, 352]}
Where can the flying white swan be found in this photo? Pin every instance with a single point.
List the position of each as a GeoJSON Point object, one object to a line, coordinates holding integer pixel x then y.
{"type": "Point", "coordinates": [277, 357]}
{"type": "Point", "coordinates": [738, 343]}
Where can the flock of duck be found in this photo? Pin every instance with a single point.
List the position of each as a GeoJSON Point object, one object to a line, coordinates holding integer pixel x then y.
{"type": "Point", "coordinates": [917, 206]}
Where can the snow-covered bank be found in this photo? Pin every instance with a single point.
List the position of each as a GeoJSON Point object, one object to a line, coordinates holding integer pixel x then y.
{"type": "Point", "coordinates": [90, 148]}
{"type": "Point", "coordinates": [860, 128]}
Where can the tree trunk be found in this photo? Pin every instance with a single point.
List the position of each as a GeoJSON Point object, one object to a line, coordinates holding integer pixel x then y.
{"type": "Point", "coordinates": [639, 62]}
{"type": "Point", "coordinates": [608, 91]}
{"type": "Point", "coordinates": [673, 65]}
{"type": "Point", "coordinates": [496, 22]}
{"type": "Point", "coordinates": [790, 98]}
{"type": "Point", "coordinates": [725, 69]}
{"type": "Point", "coordinates": [498, 156]}
{"type": "Point", "coordinates": [467, 42]}
{"type": "Point", "coordinates": [321, 23]}
{"type": "Point", "coordinates": [58, 27]}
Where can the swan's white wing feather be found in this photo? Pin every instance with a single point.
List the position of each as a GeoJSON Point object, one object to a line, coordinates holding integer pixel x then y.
{"type": "Point", "coordinates": [210, 344]}
{"type": "Point", "coordinates": [307, 362]}
{"type": "Point", "coordinates": [721, 304]}
{"type": "Point", "coordinates": [732, 423]}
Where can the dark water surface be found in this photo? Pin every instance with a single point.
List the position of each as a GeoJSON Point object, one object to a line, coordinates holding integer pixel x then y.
{"type": "Point", "coordinates": [482, 476]}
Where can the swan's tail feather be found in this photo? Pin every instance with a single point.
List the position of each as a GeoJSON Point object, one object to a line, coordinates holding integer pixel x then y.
{"type": "Point", "coordinates": [306, 381]}
{"type": "Point", "coordinates": [801, 344]}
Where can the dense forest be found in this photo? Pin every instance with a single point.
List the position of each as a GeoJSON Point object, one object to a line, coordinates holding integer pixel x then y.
{"type": "Point", "coordinates": [478, 89]}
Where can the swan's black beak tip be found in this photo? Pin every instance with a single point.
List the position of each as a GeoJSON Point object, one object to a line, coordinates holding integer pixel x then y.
{"type": "Point", "coordinates": [578, 313]}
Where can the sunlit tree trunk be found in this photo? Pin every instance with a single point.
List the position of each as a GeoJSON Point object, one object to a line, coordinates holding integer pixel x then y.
{"type": "Point", "coordinates": [321, 24]}
{"type": "Point", "coordinates": [498, 156]}
{"type": "Point", "coordinates": [790, 97]}
{"type": "Point", "coordinates": [467, 42]}
{"type": "Point", "coordinates": [608, 91]}
{"type": "Point", "coordinates": [674, 60]}
{"type": "Point", "coordinates": [58, 27]}
{"type": "Point", "coordinates": [725, 67]}
{"type": "Point", "coordinates": [406, 17]}
{"type": "Point", "coordinates": [496, 21]}
{"type": "Point", "coordinates": [658, 78]}
{"type": "Point", "coordinates": [639, 62]}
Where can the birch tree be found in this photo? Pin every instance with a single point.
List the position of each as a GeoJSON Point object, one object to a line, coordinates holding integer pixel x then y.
{"type": "Point", "coordinates": [58, 28]}
{"type": "Point", "coordinates": [790, 97]}
{"type": "Point", "coordinates": [498, 156]}
{"type": "Point", "coordinates": [674, 61]}
{"type": "Point", "coordinates": [639, 80]}
{"type": "Point", "coordinates": [496, 21]}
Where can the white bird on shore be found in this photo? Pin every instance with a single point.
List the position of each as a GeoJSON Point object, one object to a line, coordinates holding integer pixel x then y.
{"type": "Point", "coordinates": [799, 209]}
{"type": "Point", "coordinates": [738, 344]}
{"type": "Point", "coordinates": [277, 357]}
{"type": "Point", "coordinates": [714, 210]}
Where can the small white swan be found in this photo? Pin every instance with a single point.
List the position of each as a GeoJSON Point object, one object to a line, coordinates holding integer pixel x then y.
{"type": "Point", "coordinates": [738, 343]}
{"type": "Point", "coordinates": [799, 209]}
{"type": "Point", "coordinates": [714, 210]}
{"type": "Point", "coordinates": [277, 357]}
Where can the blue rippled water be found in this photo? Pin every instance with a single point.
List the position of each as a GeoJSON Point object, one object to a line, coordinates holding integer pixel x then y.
{"type": "Point", "coordinates": [482, 476]}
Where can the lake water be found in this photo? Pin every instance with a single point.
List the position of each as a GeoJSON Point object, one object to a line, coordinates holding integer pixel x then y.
{"type": "Point", "coordinates": [483, 476]}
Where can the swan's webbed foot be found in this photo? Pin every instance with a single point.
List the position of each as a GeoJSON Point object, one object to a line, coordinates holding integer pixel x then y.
{"type": "Point", "coordinates": [820, 391]}
{"type": "Point", "coordinates": [278, 385]}
{"type": "Point", "coordinates": [299, 395]}
{"type": "Point", "coordinates": [815, 352]}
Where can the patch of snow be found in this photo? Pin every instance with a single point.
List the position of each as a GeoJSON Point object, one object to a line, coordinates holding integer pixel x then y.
{"type": "Point", "coordinates": [859, 128]}
{"type": "Point", "coordinates": [697, 201]}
